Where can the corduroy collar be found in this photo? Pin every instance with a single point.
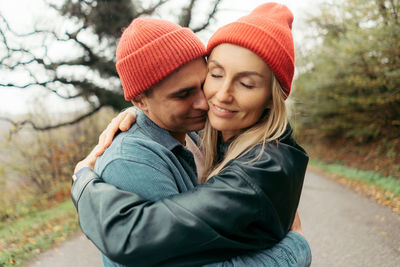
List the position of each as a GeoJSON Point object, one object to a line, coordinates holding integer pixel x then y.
{"type": "Point", "coordinates": [156, 133]}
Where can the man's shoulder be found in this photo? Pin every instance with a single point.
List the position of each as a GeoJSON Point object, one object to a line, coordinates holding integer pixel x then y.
{"type": "Point", "coordinates": [133, 146]}
{"type": "Point", "coordinates": [128, 144]}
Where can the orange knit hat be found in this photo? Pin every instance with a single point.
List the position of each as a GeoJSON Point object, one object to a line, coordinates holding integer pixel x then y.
{"type": "Point", "coordinates": [150, 49]}
{"type": "Point", "coordinates": [267, 32]}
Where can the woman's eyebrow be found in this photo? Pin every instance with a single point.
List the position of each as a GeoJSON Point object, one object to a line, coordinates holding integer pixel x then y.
{"type": "Point", "coordinates": [215, 62]}
{"type": "Point", "coordinates": [248, 73]}
{"type": "Point", "coordinates": [240, 74]}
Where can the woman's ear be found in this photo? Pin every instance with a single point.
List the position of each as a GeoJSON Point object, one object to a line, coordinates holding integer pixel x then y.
{"type": "Point", "coordinates": [140, 101]}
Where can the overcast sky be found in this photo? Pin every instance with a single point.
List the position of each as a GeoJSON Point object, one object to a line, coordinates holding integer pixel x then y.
{"type": "Point", "coordinates": [21, 19]}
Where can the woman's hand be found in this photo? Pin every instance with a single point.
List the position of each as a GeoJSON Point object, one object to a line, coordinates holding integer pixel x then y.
{"type": "Point", "coordinates": [122, 122]}
{"type": "Point", "coordinates": [89, 161]}
{"type": "Point", "coordinates": [296, 226]}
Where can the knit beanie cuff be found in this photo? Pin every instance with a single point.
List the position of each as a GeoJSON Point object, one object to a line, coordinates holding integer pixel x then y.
{"type": "Point", "coordinates": [157, 59]}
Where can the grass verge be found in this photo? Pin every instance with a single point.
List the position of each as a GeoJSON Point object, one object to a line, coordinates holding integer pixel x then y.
{"type": "Point", "coordinates": [383, 189]}
{"type": "Point", "coordinates": [22, 239]}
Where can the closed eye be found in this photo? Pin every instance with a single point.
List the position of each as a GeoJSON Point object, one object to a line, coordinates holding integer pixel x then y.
{"type": "Point", "coordinates": [184, 93]}
{"type": "Point", "coordinates": [247, 85]}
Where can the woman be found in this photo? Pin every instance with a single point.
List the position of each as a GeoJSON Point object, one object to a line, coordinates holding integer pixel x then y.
{"type": "Point", "coordinates": [251, 160]}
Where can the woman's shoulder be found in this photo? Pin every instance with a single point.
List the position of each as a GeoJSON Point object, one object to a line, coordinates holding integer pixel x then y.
{"type": "Point", "coordinates": [277, 157]}
{"type": "Point", "coordinates": [277, 150]}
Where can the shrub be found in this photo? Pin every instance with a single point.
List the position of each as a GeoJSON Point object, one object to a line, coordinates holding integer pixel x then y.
{"type": "Point", "coordinates": [40, 164]}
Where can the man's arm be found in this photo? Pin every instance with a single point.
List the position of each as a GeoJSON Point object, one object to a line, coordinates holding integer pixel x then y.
{"type": "Point", "coordinates": [180, 238]}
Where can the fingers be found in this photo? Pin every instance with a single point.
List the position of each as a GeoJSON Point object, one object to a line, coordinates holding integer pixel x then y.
{"type": "Point", "coordinates": [101, 145]}
{"type": "Point", "coordinates": [122, 122]}
{"type": "Point", "coordinates": [112, 130]}
{"type": "Point", "coordinates": [93, 154]}
{"type": "Point", "coordinates": [128, 120]}
{"type": "Point", "coordinates": [106, 137]}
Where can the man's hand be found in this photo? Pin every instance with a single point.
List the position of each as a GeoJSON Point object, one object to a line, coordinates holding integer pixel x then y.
{"type": "Point", "coordinates": [122, 122]}
{"type": "Point", "coordinates": [296, 226]}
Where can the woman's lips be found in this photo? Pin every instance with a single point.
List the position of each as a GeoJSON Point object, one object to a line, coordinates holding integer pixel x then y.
{"type": "Point", "coordinates": [222, 112]}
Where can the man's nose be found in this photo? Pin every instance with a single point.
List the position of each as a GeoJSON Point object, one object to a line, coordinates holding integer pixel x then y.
{"type": "Point", "coordinates": [200, 101]}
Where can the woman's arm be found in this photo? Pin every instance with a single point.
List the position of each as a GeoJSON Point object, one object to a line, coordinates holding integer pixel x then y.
{"type": "Point", "coordinates": [292, 251]}
{"type": "Point", "coordinates": [129, 229]}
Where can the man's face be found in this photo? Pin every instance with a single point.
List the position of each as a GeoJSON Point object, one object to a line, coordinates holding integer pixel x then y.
{"type": "Point", "coordinates": [177, 103]}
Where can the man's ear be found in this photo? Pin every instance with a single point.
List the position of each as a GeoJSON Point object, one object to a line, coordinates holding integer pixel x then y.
{"type": "Point", "coordinates": [140, 101]}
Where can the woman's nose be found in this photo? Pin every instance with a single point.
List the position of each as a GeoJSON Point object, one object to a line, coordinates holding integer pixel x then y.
{"type": "Point", "coordinates": [224, 93]}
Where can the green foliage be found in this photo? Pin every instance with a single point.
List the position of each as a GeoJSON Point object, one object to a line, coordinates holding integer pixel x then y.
{"type": "Point", "coordinates": [390, 184]}
{"type": "Point", "coordinates": [23, 238]}
{"type": "Point", "coordinates": [42, 164]}
{"type": "Point", "coordinates": [107, 18]}
{"type": "Point", "coordinates": [349, 81]}
{"type": "Point", "coordinates": [34, 213]}
{"type": "Point", "coordinates": [49, 157]}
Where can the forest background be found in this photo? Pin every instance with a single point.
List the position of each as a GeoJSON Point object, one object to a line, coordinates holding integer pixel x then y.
{"type": "Point", "coordinates": [345, 104]}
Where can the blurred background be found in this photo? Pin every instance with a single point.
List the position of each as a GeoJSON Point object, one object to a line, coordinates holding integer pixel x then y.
{"type": "Point", "coordinates": [59, 89]}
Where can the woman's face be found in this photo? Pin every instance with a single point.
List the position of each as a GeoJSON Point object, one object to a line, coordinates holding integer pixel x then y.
{"type": "Point", "coordinates": [237, 87]}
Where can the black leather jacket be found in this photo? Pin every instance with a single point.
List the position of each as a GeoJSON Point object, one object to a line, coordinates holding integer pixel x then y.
{"type": "Point", "coordinates": [245, 207]}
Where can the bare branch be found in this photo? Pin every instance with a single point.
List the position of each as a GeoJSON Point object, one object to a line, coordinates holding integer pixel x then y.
{"type": "Point", "coordinates": [45, 85]}
{"type": "Point", "coordinates": [73, 36]}
{"type": "Point", "coordinates": [17, 126]}
{"type": "Point", "coordinates": [186, 15]}
{"type": "Point", "coordinates": [150, 10]}
{"type": "Point", "coordinates": [57, 73]}
{"type": "Point", "coordinates": [210, 17]}
{"type": "Point", "coordinates": [6, 45]}
{"type": "Point", "coordinates": [34, 32]}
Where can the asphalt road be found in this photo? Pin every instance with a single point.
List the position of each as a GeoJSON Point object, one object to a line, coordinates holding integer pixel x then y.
{"type": "Point", "coordinates": [343, 228]}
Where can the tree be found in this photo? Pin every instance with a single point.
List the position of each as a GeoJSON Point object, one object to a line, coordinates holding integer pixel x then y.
{"type": "Point", "coordinates": [92, 33]}
{"type": "Point", "coordinates": [349, 82]}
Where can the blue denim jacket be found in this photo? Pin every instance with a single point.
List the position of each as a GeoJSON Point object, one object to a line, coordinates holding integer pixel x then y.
{"type": "Point", "coordinates": [148, 161]}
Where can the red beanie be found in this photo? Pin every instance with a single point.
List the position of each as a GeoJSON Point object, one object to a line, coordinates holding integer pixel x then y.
{"type": "Point", "coordinates": [267, 32]}
{"type": "Point", "coordinates": [150, 49]}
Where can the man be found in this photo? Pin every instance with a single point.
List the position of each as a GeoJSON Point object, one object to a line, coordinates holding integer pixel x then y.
{"type": "Point", "coordinates": [162, 70]}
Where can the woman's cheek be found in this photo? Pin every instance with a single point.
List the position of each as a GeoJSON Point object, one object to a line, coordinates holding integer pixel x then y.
{"type": "Point", "coordinates": [208, 91]}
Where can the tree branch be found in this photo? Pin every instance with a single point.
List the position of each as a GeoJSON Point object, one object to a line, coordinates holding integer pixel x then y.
{"type": "Point", "coordinates": [45, 85]}
{"type": "Point", "coordinates": [17, 126]}
{"type": "Point", "coordinates": [34, 32]}
{"type": "Point", "coordinates": [211, 16]}
{"type": "Point", "coordinates": [102, 20]}
{"type": "Point", "coordinates": [186, 15]}
{"type": "Point", "coordinates": [150, 10]}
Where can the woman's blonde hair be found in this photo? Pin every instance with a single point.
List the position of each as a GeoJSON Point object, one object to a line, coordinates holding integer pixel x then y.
{"type": "Point", "coordinates": [269, 128]}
